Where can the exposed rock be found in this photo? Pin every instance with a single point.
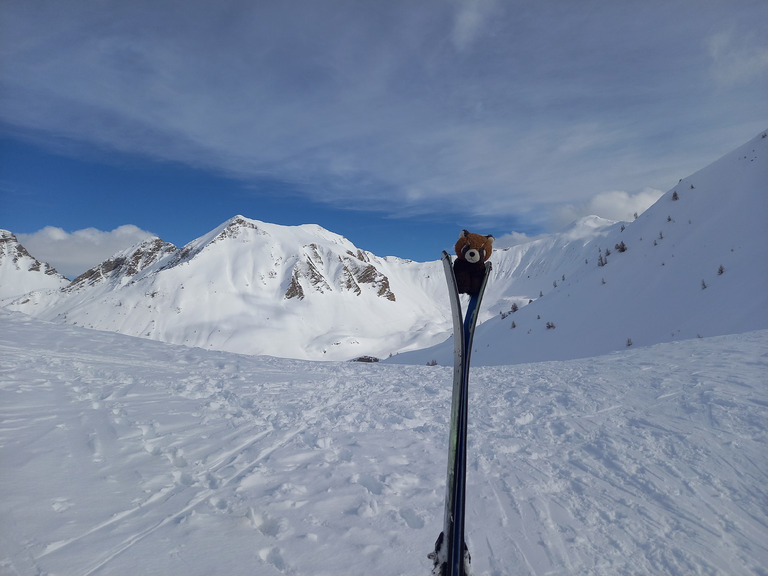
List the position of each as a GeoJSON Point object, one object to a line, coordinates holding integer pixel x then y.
{"type": "Point", "coordinates": [11, 249]}
{"type": "Point", "coordinates": [294, 289]}
{"type": "Point", "coordinates": [124, 265]}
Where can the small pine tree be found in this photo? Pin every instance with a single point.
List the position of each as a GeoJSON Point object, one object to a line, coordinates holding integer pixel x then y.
{"type": "Point", "coordinates": [703, 285]}
{"type": "Point", "coordinates": [675, 196]}
{"type": "Point", "coordinates": [513, 324]}
{"type": "Point", "coordinates": [629, 342]}
{"type": "Point", "coordinates": [720, 270]}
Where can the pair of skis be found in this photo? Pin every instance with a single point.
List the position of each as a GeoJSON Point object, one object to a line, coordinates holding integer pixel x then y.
{"type": "Point", "coordinates": [451, 556]}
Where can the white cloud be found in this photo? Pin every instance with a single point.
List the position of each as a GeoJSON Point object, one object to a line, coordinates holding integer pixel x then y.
{"type": "Point", "coordinates": [735, 60]}
{"type": "Point", "coordinates": [471, 17]}
{"type": "Point", "coordinates": [72, 253]}
{"type": "Point", "coordinates": [616, 205]}
{"type": "Point", "coordinates": [514, 239]}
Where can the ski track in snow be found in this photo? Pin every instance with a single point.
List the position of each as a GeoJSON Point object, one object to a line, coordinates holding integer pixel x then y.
{"type": "Point", "coordinates": [125, 456]}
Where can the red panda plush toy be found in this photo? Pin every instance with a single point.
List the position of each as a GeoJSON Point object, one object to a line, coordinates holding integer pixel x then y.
{"type": "Point", "coordinates": [472, 251]}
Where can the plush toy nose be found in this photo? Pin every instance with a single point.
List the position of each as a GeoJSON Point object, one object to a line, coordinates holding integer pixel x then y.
{"type": "Point", "coordinates": [472, 256]}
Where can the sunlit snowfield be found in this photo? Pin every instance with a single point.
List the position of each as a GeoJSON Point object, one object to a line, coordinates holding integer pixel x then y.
{"type": "Point", "coordinates": [128, 456]}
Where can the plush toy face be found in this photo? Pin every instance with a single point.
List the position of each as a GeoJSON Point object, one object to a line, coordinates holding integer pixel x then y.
{"type": "Point", "coordinates": [474, 248]}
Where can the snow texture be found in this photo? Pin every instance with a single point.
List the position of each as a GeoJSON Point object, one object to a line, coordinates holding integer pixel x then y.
{"type": "Point", "coordinates": [129, 456]}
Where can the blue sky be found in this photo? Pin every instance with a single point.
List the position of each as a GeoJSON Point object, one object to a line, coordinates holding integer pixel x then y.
{"type": "Point", "coordinates": [394, 123]}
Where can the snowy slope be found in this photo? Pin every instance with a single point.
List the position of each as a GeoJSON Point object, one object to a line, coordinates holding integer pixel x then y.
{"type": "Point", "coordinates": [20, 272]}
{"type": "Point", "coordinates": [127, 456]}
{"type": "Point", "coordinates": [694, 264]}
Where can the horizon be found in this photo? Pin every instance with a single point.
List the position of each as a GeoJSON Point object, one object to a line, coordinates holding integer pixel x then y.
{"type": "Point", "coordinates": [395, 126]}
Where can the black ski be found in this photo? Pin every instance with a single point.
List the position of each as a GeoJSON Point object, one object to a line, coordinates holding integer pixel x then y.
{"type": "Point", "coordinates": [451, 556]}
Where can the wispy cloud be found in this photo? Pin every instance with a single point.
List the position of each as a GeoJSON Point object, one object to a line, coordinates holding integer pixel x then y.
{"type": "Point", "coordinates": [738, 59]}
{"type": "Point", "coordinates": [475, 107]}
{"type": "Point", "coordinates": [470, 20]}
{"type": "Point", "coordinates": [616, 205]}
{"type": "Point", "coordinates": [72, 253]}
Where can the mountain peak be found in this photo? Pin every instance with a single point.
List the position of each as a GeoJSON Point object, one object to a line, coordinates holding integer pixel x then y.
{"type": "Point", "coordinates": [20, 272]}
{"type": "Point", "coordinates": [125, 264]}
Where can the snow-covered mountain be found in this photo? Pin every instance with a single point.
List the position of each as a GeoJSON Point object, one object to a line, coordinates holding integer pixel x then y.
{"type": "Point", "coordinates": [20, 272]}
{"type": "Point", "coordinates": [257, 288]}
{"type": "Point", "coordinates": [694, 264]}
{"type": "Point", "coordinates": [123, 266]}
{"type": "Point", "coordinates": [691, 265]}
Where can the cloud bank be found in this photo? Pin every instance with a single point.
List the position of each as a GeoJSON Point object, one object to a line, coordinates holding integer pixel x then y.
{"type": "Point", "coordinates": [72, 253]}
{"type": "Point", "coordinates": [485, 108]}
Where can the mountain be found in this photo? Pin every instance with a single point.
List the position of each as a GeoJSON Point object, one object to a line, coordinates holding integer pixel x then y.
{"type": "Point", "coordinates": [257, 288]}
{"type": "Point", "coordinates": [124, 265]}
{"type": "Point", "coordinates": [692, 265]}
{"type": "Point", "coordinates": [20, 272]}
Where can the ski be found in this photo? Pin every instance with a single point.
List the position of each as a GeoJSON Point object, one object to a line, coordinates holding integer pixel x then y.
{"type": "Point", "coordinates": [451, 556]}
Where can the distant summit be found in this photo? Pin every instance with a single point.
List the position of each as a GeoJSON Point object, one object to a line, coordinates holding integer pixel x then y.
{"type": "Point", "coordinates": [124, 265]}
{"type": "Point", "coordinates": [257, 288]}
{"type": "Point", "coordinates": [20, 272]}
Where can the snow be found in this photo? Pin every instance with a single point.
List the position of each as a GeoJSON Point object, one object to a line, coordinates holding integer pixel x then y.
{"type": "Point", "coordinates": [629, 438]}
{"type": "Point", "coordinates": [650, 293]}
{"type": "Point", "coordinates": [21, 273]}
{"type": "Point", "coordinates": [228, 290]}
{"type": "Point", "coordinates": [123, 455]}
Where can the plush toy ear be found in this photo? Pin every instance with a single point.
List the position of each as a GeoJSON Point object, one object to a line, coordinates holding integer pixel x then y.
{"type": "Point", "coordinates": [490, 238]}
{"type": "Point", "coordinates": [464, 234]}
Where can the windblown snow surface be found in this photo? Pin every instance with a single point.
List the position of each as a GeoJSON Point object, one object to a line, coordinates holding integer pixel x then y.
{"type": "Point", "coordinates": [121, 455]}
